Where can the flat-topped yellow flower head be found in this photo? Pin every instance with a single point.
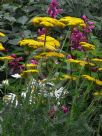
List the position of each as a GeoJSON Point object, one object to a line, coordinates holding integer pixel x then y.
{"type": "Point", "coordinates": [87, 46]}
{"type": "Point", "coordinates": [27, 72]}
{"type": "Point", "coordinates": [6, 58]}
{"type": "Point", "coordinates": [49, 54]}
{"type": "Point", "coordinates": [100, 69]}
{"type": "Point", "coordinates": [97, 81]}
{"type": "Point", "coordinates": [2, 34]}
{"type": "Point", "coordinates": [48, 43]}
{"type": "Point", "coordinates": [1, 47]}
{"type": "Point", "coordinates": [31, 65]}
{"type": "Point", "coordinates": [97, 60]}
{"type": "Point", "coordinates": [31, 43]}
{"type": "Point", "coordinates": [97, 93]}
{"type": "Point", "coordinates": [69, 77]}
{"type": "Point", "coordinates": [47, 22]}
{"type": "Point", "coordinates": [88, 77]}
{"type": "Point", "coordinates": [80, 62]}
{"type": "Point", "coordinates": [50, 40]}
{"type": "Point", "coordinates": [72, 21]}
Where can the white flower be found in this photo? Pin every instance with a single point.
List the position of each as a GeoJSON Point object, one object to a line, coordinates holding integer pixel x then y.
{"type": "Point", "coordinates": [51, 94]}
{"type": "Point", "coordinates": [5, 82]}
{"type": "Point", "coordinates": [58, 92]}
{"type": "Point", "coordinates": [16, 76]}
{"type": "Point", "coordinates": [24, 94]}
{"type": "Point", "coordinates": [10, 98]}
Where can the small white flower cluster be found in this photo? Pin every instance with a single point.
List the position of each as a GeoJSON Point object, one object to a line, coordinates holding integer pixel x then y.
{"type": "Point", "coordinates": [45, 89]}
{"type": "Point", "coordinates": [5, 82]}
{"type": "Point", "coordinates": [10, 98]}
{"type": "Point", "coordinates": [58, 92]}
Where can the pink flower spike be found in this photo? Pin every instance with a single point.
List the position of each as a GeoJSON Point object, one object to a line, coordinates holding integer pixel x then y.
{"type": "Point", "coordinates": [52, 10]}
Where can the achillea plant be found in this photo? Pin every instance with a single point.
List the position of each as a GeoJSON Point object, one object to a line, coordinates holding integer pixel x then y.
{"type": "Point", "coordinates": [52, 89]}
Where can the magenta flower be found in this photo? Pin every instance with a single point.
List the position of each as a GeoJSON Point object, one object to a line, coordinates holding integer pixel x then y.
{"type": "Point", "coordinates": [41, 31]}
{"type": "Point", "coordinates": [65, 109]}
{"type": "Point", "coordinates": [89, 25]}
{"type": "Point", "coordinates": [69, 57]}
{"type": "Point", "coordinates": [77, 37]}
{"type": "Point", "coordinates": [15, 65]}
{"type": "Point", "coordinates": [33, 61]}
{"type": "Point", "coordinates": [52, 10]}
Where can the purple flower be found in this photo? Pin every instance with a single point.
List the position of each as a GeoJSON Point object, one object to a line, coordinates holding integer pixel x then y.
{"type": "Point", "coordinates": [69, 57]}
{"type": "Point", "coordinates": [15, 65]}
{"type": "Point", "coordinates": [84, 17]}
{"type": "Point", "coordinates": [65, 109]}
{"type": "Point", "coordinates": [33, 61]}
{"type": "Point", "coordinates": [41, 31]}
{"type": "Point", "coordinates": [52, 10]}
{"type": "Point", "coordinates": [89, 25]}
{"type": "Point", "coordinates": [77, 37]}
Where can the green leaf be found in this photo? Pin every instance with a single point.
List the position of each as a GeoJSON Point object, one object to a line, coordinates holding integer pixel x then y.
{"type": "Point", "coordinates": [22, 20]}
{"type": "Point", "coordinates": [14, 41]}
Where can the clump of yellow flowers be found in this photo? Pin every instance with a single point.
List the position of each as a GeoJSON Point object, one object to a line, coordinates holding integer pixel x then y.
{"type": "Point", "coordinates": [2, 34]}
{"type": "Point", "coordinates": [47, 22]}
{"type": "Point", "coordinates": [6, 58]}
{"type": "Point", "coordinates": [49, 54]}
{"type": "Point", "coordinates": [49, 43]}
{"type": "Point", "coordinates": [27, 72]}
{"type": "Point", "coordinates": [100, 69]}
{"type": "Point", "coordinates": [72, 21]}
{"type": "Point", "coordinates": [68, 77]}
{"type": "Point", "coordinates": [80, 62]}
{"type": "Point", "coordinates": [97, 60]}
{"type": "Point", "coordinates": [1, 47]}
{"type": "Point", "coordinates": [97, 93]}
{"type": "Point", "coordinates": [87, 46]}
{"type": "Point", "coordinates": [98, 82]}
{"type": "Point", "coordinates": [49, 40]}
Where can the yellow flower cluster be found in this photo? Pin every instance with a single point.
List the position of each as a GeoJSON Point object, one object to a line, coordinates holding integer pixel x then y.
{"type": "Point", "coordinates": [49, 54]}
{"type": "Point", "coordinates": [80, 62]}
{"type": "Point", "coordinates": [31, 43]}
{"type": "Point", "coordinates": [72, 21]}
{"type": "Point", "coordinates": [69, 77]}
{"type": "Point", "coordinates": [6, 58]}
{"type": "Point", "coordinates": [49, 40]}
{"type": "Point", "coordinates": [1, 47]}
{"type": "Point", "coordinates": [96, 60]}
{"type": "Point", "coordinates": [31, 65]}
{"type": "Point", "coordinates": [26, 72]}
{"type": "Point", "coordinates": [98, 82]}
{"type": "Point", "coordinates": [87, 46]}
{"type": "Point", "coordinates": [47, 22]}
{"type": "Point", "coordinates": [88, 77]}
{"type": "Point", "coordinates": [2, 34]}
{"type": "Point", "coordinates": [50, 43]}
{"type": "Point", "coordinates": [97, 93]}
{"type": "Point", "coordinates": [100, 69]}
